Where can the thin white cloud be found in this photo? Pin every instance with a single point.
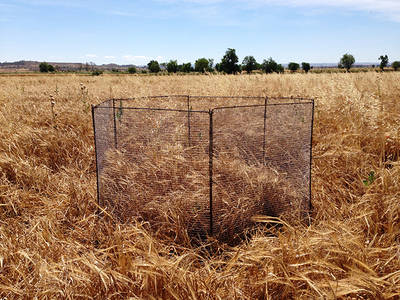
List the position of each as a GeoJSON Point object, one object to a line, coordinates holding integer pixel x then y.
{"type": "Point", "coordinates": [7, 5]}
{"type": "Point", "coordinates": [136, 59]}
{"type": "Point", "coordinates": [390, 8]}
{"type": "Point", "coordinates": [91, 55]}
{"type": "Point", "coordinates": [109, 57]}
{"type": "Point", "coordinates": [64, 3]}
{"type": "Point", "coordinates": [386, 8]}
{"type": "Point", "coordinates": [140, 59]}
{"type": "Point", "coordinates": [133, 57]}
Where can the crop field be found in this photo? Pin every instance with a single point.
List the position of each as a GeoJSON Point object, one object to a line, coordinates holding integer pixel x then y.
{"type": "Point", "coordinates": [53, 244]}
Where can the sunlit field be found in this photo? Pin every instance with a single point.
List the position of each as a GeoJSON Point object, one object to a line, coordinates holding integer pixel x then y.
{"type": "Point", "coordinates": [54, 245]}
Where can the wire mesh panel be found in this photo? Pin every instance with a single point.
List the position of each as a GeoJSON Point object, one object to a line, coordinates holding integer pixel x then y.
{"type": "Point", "coordinates": [103, 124]}
{"type": "Point", "coordinates": [211, 102]}
{"type": "Point", "coordinates": [179, 102]}
{"type": "Point", "coordinates": [154, 172]}
{"type": "Point", "coordinates": [239, 176]}
{"type": "Point", "coordinates": [288, 151]}
{"type": "Point", "coordinates": [197, 166]}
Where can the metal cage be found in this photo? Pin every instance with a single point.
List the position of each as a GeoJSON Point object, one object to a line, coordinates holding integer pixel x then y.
{"type": "Point", "coordinates": [216, 161]}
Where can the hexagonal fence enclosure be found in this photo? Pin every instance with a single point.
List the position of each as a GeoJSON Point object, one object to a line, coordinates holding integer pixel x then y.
{"type": "Point", "coordinates": [204, 166]}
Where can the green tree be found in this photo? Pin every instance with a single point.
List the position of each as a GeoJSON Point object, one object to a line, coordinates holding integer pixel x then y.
{"type": "Point", "coordinates": [384, 61]}
{"type": "Point", "coordinates": [210, 65]}
{"type": "Point", "coordinates": [346, 61]}
{"type": "Point", "coordinates": [280, 69]}
{"type": "Point", "coordinates": [97, 72]}
{"type": "Point", "coordinates": [44, 67]}
{"type": "Point", "coordinates": [305, 66]}
{"type": "Point", "coordinates": [201, 65]}
{"type": "Point", "coordinates": [132, 70]}
{"type": "Point", "coordinates": [186, 68]}
{"type": "Point", "coordinates": [153, 66]}
{"type": "Point", "coordinates": [270, 66]}
{"type": "Point", "coordinates": [249, 64]}
{"type": "Point", "coordinates": [229, 62]}
{"type": "Point", "coordinates": [293, 67]}
{"type": "Point", "coordinates": [396, 65]}
{"type": "Point", "coordinates": [172, 66]}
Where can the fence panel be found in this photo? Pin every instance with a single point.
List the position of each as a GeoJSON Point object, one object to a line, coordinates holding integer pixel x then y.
{"type": "Point", "coordinates": [238, 171]}
{"type": "Point", "coordinates": [199, 166]}
{"type": "Point", "coordinates": [288, 151]}
{"type": "Point", "coordinates": [103, 124]}
{"type": "Point", "coordinates": [157, 172]}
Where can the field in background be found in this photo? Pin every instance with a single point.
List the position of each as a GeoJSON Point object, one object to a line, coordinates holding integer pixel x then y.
{"type": "Point", "coordinates": [53, 245]}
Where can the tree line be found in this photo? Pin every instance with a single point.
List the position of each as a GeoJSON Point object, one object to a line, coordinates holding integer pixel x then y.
{"type": "Point", "coordinates": [348, 60]}
{"type": "Point", "coordinates": [229, 64]}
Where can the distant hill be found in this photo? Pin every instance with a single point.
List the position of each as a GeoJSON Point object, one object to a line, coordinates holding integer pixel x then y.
{"type": "Point", "coordinates": [33, 66]}
{"type": "Point", "coordinates": [26, 65]}
{"type": "Point", "coordinates": [335, 65]}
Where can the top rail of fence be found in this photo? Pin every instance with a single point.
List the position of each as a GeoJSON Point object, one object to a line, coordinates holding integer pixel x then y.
{"type": "Point", "coordinates": [154, 109]}
{"type": "Point", "coordinates": [295, 100]}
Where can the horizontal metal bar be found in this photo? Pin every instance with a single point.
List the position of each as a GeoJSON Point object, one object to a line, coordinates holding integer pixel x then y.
{"type": "Point", "coordinates": [139, 98]}
{"type": "Point", "coordinates": [237, 106]}
{"type": "Point", "coordinates": [302, 100]}
{"type": "Point", "coordinates": [291, 103]}
{"type": "Point", "coordinates": [291, 98]}
{"type": "Point", "coordinates": [204, 111]}
{"type": "Point", "coordinates": [158, 109]}
{"type": "Point", "coordinates": [210, 97]}
{"type": "Point", "coordinates": [227, 97]}
{"type": "Point", "coordinates": [150, 97]}
{"type": "Point", "coordinates": [259, 105]}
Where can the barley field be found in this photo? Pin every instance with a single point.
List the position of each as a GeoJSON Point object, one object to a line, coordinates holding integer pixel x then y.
{"type": "Point", "coordinates": [53, 244]}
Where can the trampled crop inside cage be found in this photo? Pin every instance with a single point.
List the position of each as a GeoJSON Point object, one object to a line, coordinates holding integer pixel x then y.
{"type": "Point", "coordinates": [204, 165]}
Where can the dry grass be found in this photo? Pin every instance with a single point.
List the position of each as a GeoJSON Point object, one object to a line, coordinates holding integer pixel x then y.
{"type": "Point", "coordinates": [52, 245]}
{"type": "Point", "coordinates": [169, 189]}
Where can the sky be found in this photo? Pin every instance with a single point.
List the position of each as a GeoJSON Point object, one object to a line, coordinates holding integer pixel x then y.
{"type": "Point", "coordinates": [135, 32]}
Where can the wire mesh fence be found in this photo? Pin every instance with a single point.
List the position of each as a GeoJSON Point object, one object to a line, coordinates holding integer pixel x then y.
{"type": "Point", "coordinates": [205, 165]}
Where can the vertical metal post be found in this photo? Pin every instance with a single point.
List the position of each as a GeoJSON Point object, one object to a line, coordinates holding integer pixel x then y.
{"type": "Point", "coordinates": [265, 127]}
{"type": "Point", "coordinates": [120, 111]}
{"type": "Point", "coordinates": [188, 108]}
{"type": "Point", "coordinates": [311, 142]}
{"type": "Point", "coordinates": [210, 169]}
{"type": "Point", "coordinates": [115, 125]}
{"type": "Point", "coordinates": [97, 162]}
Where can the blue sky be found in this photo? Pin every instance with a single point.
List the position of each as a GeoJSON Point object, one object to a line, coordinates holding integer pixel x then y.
{"type": "Point", "coordinates": [134, 32]}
